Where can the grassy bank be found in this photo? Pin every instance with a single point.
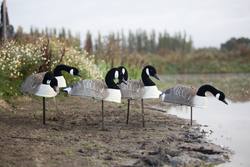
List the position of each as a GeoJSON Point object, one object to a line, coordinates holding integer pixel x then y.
{"type": "Point", "coordinates": [200, 62]}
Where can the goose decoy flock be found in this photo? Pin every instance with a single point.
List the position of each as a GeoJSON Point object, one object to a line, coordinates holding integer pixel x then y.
{"type": "Point", "coordinates": [140, 89]}
{"type": "Point", "coordinates": [107, 90]}
{"type": "Point", "coordinates": [47, 84]}
{"type": "Point", "coordinates": [185, 95]}
{"type": "Point", "coordinates": [115, 87]}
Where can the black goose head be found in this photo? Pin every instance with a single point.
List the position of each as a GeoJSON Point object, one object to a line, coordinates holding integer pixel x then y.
{"type": "Point", "coordinates": [123, 74]}
{"type": "Point", "coordinates": [62, 67]}
{"type": "Point", "coordinates": [221, 96]}
{"type": "Point", "coordinates": [209, 88]}
{"type": "Point", "coordinates": [110, 78]}
{"type": "Point", "coordinates": [74, 71]}
{"type": "Point", "coordinates": [49, 79]}
{"type": "Point", "coordinates": [147, 72]}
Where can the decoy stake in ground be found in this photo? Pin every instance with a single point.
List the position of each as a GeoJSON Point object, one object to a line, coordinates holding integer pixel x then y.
{"type": "Point", "coordinates": [41, 84]}
{"type": "Point", "coordinates": [60, 78]}
{"type": "Point", "coordinates": [107, 90]}
{"type": "Point", "coordinates": [189, 96]}
{"type": "Point", "coordinates": [140, 89]}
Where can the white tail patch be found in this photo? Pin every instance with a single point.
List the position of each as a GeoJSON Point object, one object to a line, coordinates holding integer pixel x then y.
{"type": "Point", "coordinates": [147, 71]}
{"type": "Point", "coordinates": [162, 96]}
{"type": "Point", "coordinates": [67, 89]}
{"type": "Point", "coordinates": [116, 74]}
{"type": "Point", "coordinates": [48, 82]}
{"type": "Point", "coordinates": [123, 71]}
{"type": "Point", "coordinates": [45, 90]}
{"type": "Point", "coordinates": [71, 71]}
{"type": "Point", "coordinates": [217, 95]}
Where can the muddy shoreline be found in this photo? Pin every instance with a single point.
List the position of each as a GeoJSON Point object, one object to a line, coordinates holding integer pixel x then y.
{"type": "Point", "coordinates": [73, 136]}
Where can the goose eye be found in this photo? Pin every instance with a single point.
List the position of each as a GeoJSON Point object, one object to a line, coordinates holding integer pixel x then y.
{"type": "Point", "coordinates": [48, 81]}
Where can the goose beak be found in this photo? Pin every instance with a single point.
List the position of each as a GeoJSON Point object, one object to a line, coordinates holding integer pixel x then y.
{"type": "Point", "coordinates": [156, 77]}
{"type": "Point", "coordinates": [78, 75]}
{"type": "Point", "coordinates": [224, 101]}
{"type": "Point", "coordinates": [124, 81]}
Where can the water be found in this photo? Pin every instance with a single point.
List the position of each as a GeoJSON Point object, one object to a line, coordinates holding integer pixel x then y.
{"type": "Point", "coordinates": [230, 125]}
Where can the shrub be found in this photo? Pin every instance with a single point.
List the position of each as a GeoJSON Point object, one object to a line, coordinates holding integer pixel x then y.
{"type": "Point", "coordinates": [18, 60]}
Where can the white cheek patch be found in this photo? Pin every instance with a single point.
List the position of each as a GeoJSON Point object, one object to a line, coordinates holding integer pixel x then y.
{"type": "Point", "coordinates": [162, 96]}
{"type": "Point", "coordinates": [147, 71]}
{"type": "Point", "coordinates": [48, 82]}
{"type": "Point", "coordinates": [123, 71]}
{"type": "Point", "coordinates": [116, 74]}
{"type": "Point", "coordinates": [217, 96]}
{"type": "Point", "coordinates": [71, 71]}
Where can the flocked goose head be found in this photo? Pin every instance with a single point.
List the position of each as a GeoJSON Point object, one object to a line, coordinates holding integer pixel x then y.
{"type": "Point", "coordinates": [209, 88]}
{"type": "Point", "coordinates": [49, 79]}
{"type": "Point", "coordinates": [123, 75]}
{"type": "Point", "coordinates": [74, 71]}
{"type": "Point", "coordinates": [62, 67]}
{"type": "Point", "coordinates": [221, 96]}
{"type": "Point", "coordinates": [112, 78]}
{"type": "Point", "coordinates": [147, 72]}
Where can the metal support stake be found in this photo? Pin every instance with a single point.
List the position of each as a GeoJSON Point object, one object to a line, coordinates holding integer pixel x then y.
{"type": "Point", "coordinates": [102, 116]}
{"type": "Point", "coordinates": [191, 119]}
{"type": "Point", "coordinates": [142, 112]}
{"type": "Point", "coordinates": [56, 104]}
{"type": "Point", "coordinates": [44, 110]}
{"type": "Point", "coordinates": [128, 111]}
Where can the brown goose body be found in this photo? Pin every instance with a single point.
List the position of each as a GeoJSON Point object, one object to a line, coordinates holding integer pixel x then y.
{"type": "Point", "coordinates": [32, 83]}
{"type": "Point", "coordinates": [133, 89]}
{"type": "Point", "coordinates": [89, 88]}
{"type": "Point", "coordinates": [180, 94]}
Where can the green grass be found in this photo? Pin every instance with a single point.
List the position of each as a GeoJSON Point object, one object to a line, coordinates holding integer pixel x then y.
{"type": "Point", "coordinates": [187, 64]}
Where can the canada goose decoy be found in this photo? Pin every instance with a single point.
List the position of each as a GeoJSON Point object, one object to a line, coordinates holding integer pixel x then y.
{"type": "Point", "coordinates": [32, 82]}
{"type": "Point", "coordinates": [60, 78]}
{"type": "Point", "coordinates": [190, 96]}
{"type": "Point", "coordinates": [58, 74]}
{"type": "Point", "coordinates": [41, 84]}
{"type": "Point", "coordinates": [98, 89]}
{"type": "Point", "coordinates": [139, 89]}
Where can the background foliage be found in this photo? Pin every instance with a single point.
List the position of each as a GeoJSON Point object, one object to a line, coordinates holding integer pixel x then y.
{"type": "Point", "coordinates": [42, 50]}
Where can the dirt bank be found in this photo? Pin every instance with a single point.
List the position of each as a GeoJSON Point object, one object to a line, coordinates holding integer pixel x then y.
{"type": "Point", "coordinates": [74, 137]}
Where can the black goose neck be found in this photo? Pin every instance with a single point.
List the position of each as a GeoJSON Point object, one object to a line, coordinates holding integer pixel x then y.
{"type": "Point", "coordinates": [206, 88]}
{"type": "Point", "coordinates": [59, 68]}
{"type": "Point", "coordinates": [47, 77]}
{"type": "Point", "coordinates": [146, 79]}
{"type": "Point", "coordinates": [109, 79]}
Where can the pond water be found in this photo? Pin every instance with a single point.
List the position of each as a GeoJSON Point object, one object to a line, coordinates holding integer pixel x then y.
{"type": "Point", "coordinates": [229, 124]}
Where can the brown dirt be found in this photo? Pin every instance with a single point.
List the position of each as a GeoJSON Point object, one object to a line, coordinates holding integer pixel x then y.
{"type": "Point", "coordinates": [73, 136]}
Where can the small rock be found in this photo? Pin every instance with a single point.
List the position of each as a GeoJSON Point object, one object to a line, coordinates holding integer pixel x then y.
{"type": "Point", "coordinates": [56, 129]}
{"type": "Point", "coordinates": [108, 157]}
{"type": "Point", "coordinates": [152, 161]}
{"type": "Point", "coordinates": [153, 153]}
{"type": "Point", "coordinates": [80, 151]}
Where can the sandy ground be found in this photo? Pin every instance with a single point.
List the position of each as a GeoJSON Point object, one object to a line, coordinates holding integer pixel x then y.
{"type": "Point", "coordinates": [73, 136]}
